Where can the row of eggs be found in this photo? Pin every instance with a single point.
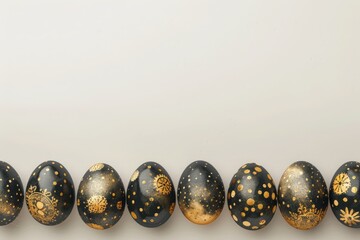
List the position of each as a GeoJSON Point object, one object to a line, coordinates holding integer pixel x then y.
{"type": "Point", "coordinates": [252, 197]}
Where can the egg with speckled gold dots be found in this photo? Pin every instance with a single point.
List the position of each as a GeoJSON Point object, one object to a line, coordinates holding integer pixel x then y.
{"type": "Point", "coordinates": [50, 194]}
{"type": "Point", "coordinates": [302, 195]}
{"type": "Point", "coordinates": [11, 194]}
{"type": "Point", "coordinates": [101, 197]}
{"type": "Point", "coordinates": [201, 194]}
{"type": "Point", "coordinates": [344, 194]}
{"type": "Point", "coordinates": [252, 197]}
{"type": "Point", "coordinates": [150, 195]}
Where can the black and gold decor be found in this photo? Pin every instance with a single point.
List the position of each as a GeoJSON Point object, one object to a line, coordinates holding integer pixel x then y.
{"type": "Point", "coordinates": [50, 193]}
{"type": "Point", "coordinates": [344, 194]}
{"type": "Point", "coordinates": [303, 195]}
{"type": "Point", "coordinates": [101, 197]}
{"type": "Point", "coordinates": [201, 193]}
{"type": "Point", "coordinates": [151, 195]}
{"type": "Point", "coordinates": [252, 197]}
{"type": "Point", "coordinates": [11, 194]}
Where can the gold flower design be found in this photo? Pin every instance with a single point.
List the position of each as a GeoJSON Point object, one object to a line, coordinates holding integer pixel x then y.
{"type": "Point", "coordinates": [349, 218]}
{"type": "Point", "coordinates": [341, 183]}
{"type": "Point", "coordinates": [305, 218]}
{"type": "Point", "coordinates": [162, 184]}
{"type": "Point", "coordinates": [97, 204]}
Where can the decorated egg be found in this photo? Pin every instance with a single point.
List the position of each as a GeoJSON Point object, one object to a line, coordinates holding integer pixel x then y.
{"type": "Point", "coordinates": [201, 193]}
{"type": "Point", "coordinates": [151, 195]}
{"type": "Point", "coordinates": [302, 195]}
{"type": "Point", "coordinates": [50, 193]}
{"type": "Point", "coordinates": [11, 194]}
{"type": "Point", "coordinates": [101, 197]}
{"type": "Point", "coordinates": [344, 194]}
{"type": "Point", "coordinates": [252, 197]}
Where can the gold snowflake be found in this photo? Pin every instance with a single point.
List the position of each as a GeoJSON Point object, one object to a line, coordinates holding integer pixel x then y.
{"type": "Point", "coordinates": [97, 204]}
{"type": "Point", "coordinates": [349, 218]}
{"type": "Point", "coordinates": [341, 183]}
{"type": "Point", "coordinates": [162, 184]}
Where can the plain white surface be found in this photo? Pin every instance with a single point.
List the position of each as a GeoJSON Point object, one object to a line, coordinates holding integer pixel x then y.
{"type": "Point", "coordinates": [124, 82]}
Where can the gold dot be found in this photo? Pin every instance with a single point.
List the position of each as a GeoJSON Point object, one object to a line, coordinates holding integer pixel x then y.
{"type": "Point", "coordinates": [246, 171]}
{"type": "Point", "coordinates": [294, 198]}
{"type": "Point", "coordinates": [269, 185]}
{"type": "Point", "coordinates": [260, 192]}
{"type": "Point", "coordinates": [266, 194]}
{"type": "Point", "coordinates": [143, 182]}
{"type": "Point", "coordinates": [249, 177]}
{"type": "Point", "coordinates": [133, 215]}
{"type": "Point", "coordinates": [250, 202]}
{"type": "Point", "coordinates": [262, 222]}
{"type": "Point", "coordinates": [235, 218]}
{"type": "Point", "coordinates": [141, 210]}
{"type": "Point", "coordinates": [258, 169]}
{"type": "Point", "coordinates": [151, 220]}
{"type": "Point", "coordinates": [246, 223]}
{"type": "Point", "coordinates": [243, 214]}
{"type": "Point", "coordinates": [345, 199]}
{"type": "Point", "coordinates": [336, 203]}
{"type": "Point", "coordinates": [144, 220]}
{"type": "Point", "coordinates": [61, 194]}
{"type": "Point", "coordinates": [240, 187]}
{"type": "Point", "coordinates": [269, 177]}
{"type": "Point", "coordinates": [56, 173]}
{"type": "Point", "coordinates": [113, 194]}
{"type": "Point", "coordinates": [39, 205]}
{"type": "Point", "coordinates": [274, 209]}
{"type": "Point", "coordinates": [54, 183]}
{"type": "Point", "coordinates": [253, 209]}
{"type": "Point", "coordinates": [249, 190]}
{"type": "Point", "coordinates": [156, 214]}
{"type": "Point", "coordinates": [260, 206]}
{"type": "Point", "coordinates": [273, 196]}
{"type": "Point", "coordinates": [151, 199]}
{"type": "Point", "coordinates": [354, 189]}
{"type": "Point", "coordinates": [232, 193]}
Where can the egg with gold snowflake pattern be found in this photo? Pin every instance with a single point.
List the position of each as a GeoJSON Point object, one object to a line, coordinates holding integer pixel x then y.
{"type": "Point", "coordinates": [302, 195]}
{"type": "Point", "coordinates": [252, 197]}
{"type": "Point", "coordinates": [150, 195]}
{"type": "Point", "coordinates": [11, 194]}
{"type": "Point", "coordinates": [201, 194]}
{"type": "Point", "coordinates": [101, 197]}
{"type": "Point", "coordinates": [344, 194]}
{"type": "Point", "coordinates": [50, 194]}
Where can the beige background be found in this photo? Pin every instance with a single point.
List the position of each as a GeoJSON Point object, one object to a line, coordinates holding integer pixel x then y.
{"type": "Point", "coordinates": [229, 82]}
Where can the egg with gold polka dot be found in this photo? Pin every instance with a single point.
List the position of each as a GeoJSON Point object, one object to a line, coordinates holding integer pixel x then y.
{"type": "Point", "coordinates": [201, 194]}
{"type": "Point", "coordinates": [252, 197]}
{"type": "Point", "coordinates": [344, 194]}
{"type": "Point", "coordinates": [101, 197]}
{"type": "Point", "coordinates": [150, 195]}
{"type": "Point", "coordinates": [302, 195]}
{"type": "Point", "coordinates": [50, 193]}
{"type": "Point", "coordinates": [11, 194]}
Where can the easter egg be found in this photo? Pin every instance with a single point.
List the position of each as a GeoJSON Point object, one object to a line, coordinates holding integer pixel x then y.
{"type": "Point", "coordinates": [344, 194]}
{"type": "Point", "coordinates": [101, 197]}
{"type": "Point", "coordinates": [252, 197]}
{"type": "Point", "coordinates": [11, 194]}
{"type": "Point", "coordinates": [151, 195]}
{"type": "Point", "coordinates": [302, 195]}
{"type": "Point", "coordinates": [50, 193]}
{"type": "Point", "coordinates": [201, 193]}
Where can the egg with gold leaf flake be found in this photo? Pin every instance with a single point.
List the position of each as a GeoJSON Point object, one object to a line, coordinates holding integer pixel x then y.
{"type": "Point", "coordinates": [201, 193]}
{"type": "Point", "coordinates": [252, 197]}
{"type": "Point", "coordinates": [150, 195]}
{"type": "Point", "coordinates": [101, 197]}
{"type": "Point", "coordinates": [302, 195]}
{"type": "Point", "coordinates": [344, 194]}
{"type": "Point", "coordinates": [50, 194]}
{"type": "Point", "coordinates": [11, 194]}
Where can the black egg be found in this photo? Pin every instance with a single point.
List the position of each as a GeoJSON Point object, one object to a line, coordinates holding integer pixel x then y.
{"type": "Point", "coordinates": [201, 193]}
{"type": "Point", "coordinates": [303, 195]}
{"type": "Point", "coordinates": [344, 194]}
{"type": "Point", "coordinates": [101, 197]}
{"type": "Point", "coordinates": [11, 194]}
{"type": "Point", "coordinates": [252, 197]}
{"type": "Point", "coordinates": [151, 195]}
{"type": "Point", "coordinates": [50, 193]}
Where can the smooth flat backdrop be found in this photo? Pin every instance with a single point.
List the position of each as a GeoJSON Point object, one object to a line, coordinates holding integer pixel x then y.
{"type": "Point", "coordinates": [230, 82]}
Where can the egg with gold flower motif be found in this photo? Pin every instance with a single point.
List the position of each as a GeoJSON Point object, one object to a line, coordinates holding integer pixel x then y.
{"type": "Point", "coordinates": [101, 197]}
{"type": "Point", "coordinates": [150, 195]}
{"type": "Point", "coordinates": [252, 197]}
{"type": "Point", "coordinates": [302, 195]}
{"type": "Point", "coordinates": [344, 194]}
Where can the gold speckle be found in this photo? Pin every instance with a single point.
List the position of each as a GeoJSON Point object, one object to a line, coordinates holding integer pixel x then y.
{"type": "Point", "coordinates": [54, 183]}
{"type": "Point", "coordinates": [273, 196]}
{"type": "Point", "coordinates": [258, 169]}
{"type": "Point", "coordinates": [134, 176]}
{"type": "Point", "coordinates": [56, 173]}
{"type": "Point", "coordinates": [141, 209]}
{"type": "Point", "coordinates": [246, 223]}
{"type": "Point", "coordinates": [240, 187]}
{"type": "Point", "coordinates": [260, 206]}
{"type": "Point", "coordinates": [243, 214]}
{"type": "Point", "coordinates": [246, 171]}
{"type": "Point", "coordinates": [266, 194]}
{"type": "Point", "coordinates": [262, 222]}
{"type": "Point", "coordinates": [345, 199]}
{"type": "Point", "coordinates": [235, 218]}
{"type": "Point", "coordinates": [354, 189]}
{"type": "Point", "coordinates": [233, 193]}
{"type": "Point", "coordinates": [250, 202]}
{"type": "Point", "coordinates": [134, 216]}
{"type": "Point", "coordinates": [336, 203]}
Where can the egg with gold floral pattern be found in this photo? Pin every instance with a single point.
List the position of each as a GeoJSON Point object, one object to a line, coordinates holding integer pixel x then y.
{"type": "Point", "coordinates": [101, 197]}
{"type": "Point", "coordinates": [344, 194]}
{"type": "Point", "coordinates": [252, 197]}
{"type": "Point", "coordinates": [302, 195]}
{"type": "Point", "coordinates": [201, 194]}
{"type": "Point", "coordinates": [150, 195]}
{"type": "Point", "coordinates": [50, 194]}
{"type": "Point", "coordinates": [11, 194]}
